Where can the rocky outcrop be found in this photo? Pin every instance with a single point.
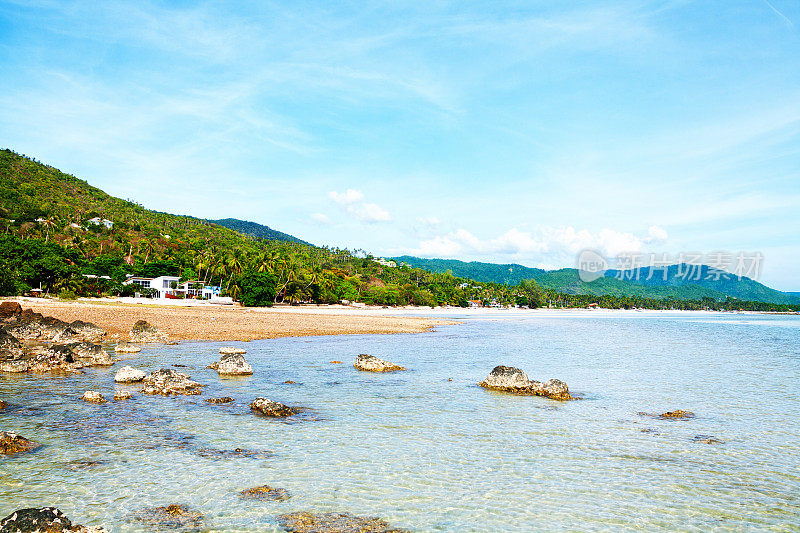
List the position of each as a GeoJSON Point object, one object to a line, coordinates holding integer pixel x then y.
{"type": "Point", "coordinates": [303, 522]}
{"type": "Point", "coordinates": [229, 350]}
{"type": "Point", "coordinates": [510, 379]}
{"type": "Point", "coordinates": [37, 327]}
{"type": "Point", "coordinates": [10, 310]}
{"type": "Point", "coordinates": [271, 408]}
{"type": "Point", "coordinates": [173, 516]}
{"type": "Point", "coordinates": [87, 331]}
{"type": "Point", "coordinates": [144, 332]}
{"type": "Point", "coordinates": [168, 381]}
{"type": "Point", "coordinates": [370, 363]}
{"type": "Point", "coordinates": [43, 520]}
{"type": "Point", "coordinates": [232, 365]}
{"type": "Point", "coordinates": [128, 374]}
{"type": "Point", "coordinates": [126, 347]}
{"type": "Point", "coordinates": [59, 358]}
{"type": "Point", "coordinates": [224, 399]}
{"type": "Point", "coordinates": [12, 444]}
{"type": "Point", "coordinates": [92, 396]}
{"type": "Point", "coordinates": [10, 347]}
{"type": "Point", "coordinates": [266, 493]}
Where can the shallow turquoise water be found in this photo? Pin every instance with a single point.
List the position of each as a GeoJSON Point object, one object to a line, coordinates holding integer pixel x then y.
{"type": "Point", "coordinates": [428, 454]}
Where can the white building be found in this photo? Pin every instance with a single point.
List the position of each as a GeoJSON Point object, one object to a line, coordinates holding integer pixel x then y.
{"type": "Point", "coordinates": [100, 222]}
{"type": "Point", "coordinates": [161, 284]}
{"type": "Point", "coordinates": [385, 262]}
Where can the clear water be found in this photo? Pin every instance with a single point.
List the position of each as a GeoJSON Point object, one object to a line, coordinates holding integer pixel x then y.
{"type": "Point", "coordinates": [429, 454]}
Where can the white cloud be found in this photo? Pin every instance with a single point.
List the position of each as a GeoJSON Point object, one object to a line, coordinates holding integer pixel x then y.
{"type": "Point", "coordinates": [429, 221]}
{"type": "Point", "coordinates": [545, 242]}
{"type": "Point", "coordinates": [369, 212]}
{"type": "Point", "coordinates": [320, 218]}
{"type": "Point", "coordinates": [350, 196]}
{"type": "Point", "coordinates": [351, 202]}
{"type": "Point", "coordinates": [656, 235]}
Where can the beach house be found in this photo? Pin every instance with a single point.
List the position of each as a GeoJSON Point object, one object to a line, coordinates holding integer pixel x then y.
{"type": "Point", "coordinates": [163, 285]}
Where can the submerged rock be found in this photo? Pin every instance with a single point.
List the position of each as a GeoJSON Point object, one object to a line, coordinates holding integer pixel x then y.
{"type": "Point", "coordinates": [92, 396]}
{"type": "Point", "coordinates": [510, 379]}
{"type": "Point", "coordinates": [677, 415]}
{"type": "Point", "coordinates": [145, 332]}
{"type": "Point", "coordinates": [224, 399]}
{"type": "Point", "coordinates": [128, 374]}
{"type": "Point", "coordinates": [172, 516]}
{"type": "Point", "coordinates": [271, 408]}
{"type": "Point", "coordinates": [11, 444]}
{"type": "Point", "coordinates": [303, 522]}
{"type": "Point", "coordinates": [370, 363]}
{"type": "Point", "coordinates": [122, 395]}
{"type": "Point", "coordinates": [707, 439]}
{"type": "Point", "coordinates": [43, 520]}
{"type": "Point", "coordinates": [168, 381]}
{"type": "Point", "coordinates": [9, 310]}
{"type": "Point", "coordinates": [232, 365]}
{"type": "Point", "coordinates": [230, 350]}
{"type": "Point", "coordinates": [126, 347]}
{"type": "Point", "coordinates": [265, 492]}
{"type": "Point", "coordinates": [3, 405]}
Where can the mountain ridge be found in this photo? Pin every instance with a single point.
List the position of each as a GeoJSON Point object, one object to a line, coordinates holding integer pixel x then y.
{"type": "Point", "coordinates": [649, 282]}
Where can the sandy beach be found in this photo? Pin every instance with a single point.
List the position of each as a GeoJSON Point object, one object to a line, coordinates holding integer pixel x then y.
{"type": "Point", "coordinates": [228, 323]}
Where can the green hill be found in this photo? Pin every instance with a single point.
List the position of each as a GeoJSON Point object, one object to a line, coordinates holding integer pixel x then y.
{"type": "Point", "coordinates": [254, 229]}
{"type": "Point", "coordinates": [567, 280]}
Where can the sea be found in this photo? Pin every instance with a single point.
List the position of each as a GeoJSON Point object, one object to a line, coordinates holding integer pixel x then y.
{"type": "Point", "coordinates": [427, 449]}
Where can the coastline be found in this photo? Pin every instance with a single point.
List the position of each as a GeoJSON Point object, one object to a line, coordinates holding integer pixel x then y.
{"type": "Point", "coordinates": [226, 322]}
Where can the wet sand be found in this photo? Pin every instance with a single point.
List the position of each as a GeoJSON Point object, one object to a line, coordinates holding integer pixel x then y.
{"type": "Point", "coordinates": [229, 323]}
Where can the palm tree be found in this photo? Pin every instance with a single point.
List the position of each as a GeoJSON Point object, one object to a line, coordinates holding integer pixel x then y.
{"type": "Point", "coordinates": [48, 223]}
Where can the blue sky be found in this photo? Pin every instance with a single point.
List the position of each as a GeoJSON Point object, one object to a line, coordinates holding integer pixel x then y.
{"type": "Point", "coordinates": [513, 132]}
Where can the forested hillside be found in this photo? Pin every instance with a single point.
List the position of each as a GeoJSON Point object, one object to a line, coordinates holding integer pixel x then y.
{"type": "Point", "coordinates": [62, 235]}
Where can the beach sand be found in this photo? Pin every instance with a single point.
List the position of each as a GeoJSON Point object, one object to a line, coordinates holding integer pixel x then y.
{"type": "Point", "coordinates": [228, 323]}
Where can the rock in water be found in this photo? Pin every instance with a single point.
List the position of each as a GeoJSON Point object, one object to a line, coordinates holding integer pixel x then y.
{"type": "Point", "coordinates": [370, 363]}
{"type": "Point", "coordinates": [90, 353]}
{"type": "Point", "coordinates": [143, 331]}
{"type": "Point", "coordinates": [126, 347]}
{"type": "Point", "coordinates": [270, 408]}
{"type": "Point", "coordinates": [302, 522]}
{"type": "Point", "coordinates": [43, 519]}
{"type": "Point", "coordinates": [510, 379]}
{"type": "Point", "coordinates": [9, 310]}
{"type": "Point", "coordinates": [168, 381]}
{"type": "Point", "coordinates": [128, 374]}
{"type": "Point", "coordinates": [226, 350]}
{"type": "Point", "coordinates": [3, 405]}
{"type": "Point", "coordinates": [171, 517]}
{"type": "Point", "coordinates": [11, 444]}
{"type": "Point", "coordinates": [93, 397]}
{"type": "Point", "coordinates": [224, 399]}
{"type": "Point", "coordinates": [677, 415]}
{"type": "Point", "coordinates": [265, 492]}
{"type": "Point", "coordinates": [232, 365]}
{"type": "Point", "coordinates": [122, 395]}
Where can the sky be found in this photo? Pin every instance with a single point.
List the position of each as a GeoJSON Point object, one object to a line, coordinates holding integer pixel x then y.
{"type": "Point", "coordinates": [496, 131]}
